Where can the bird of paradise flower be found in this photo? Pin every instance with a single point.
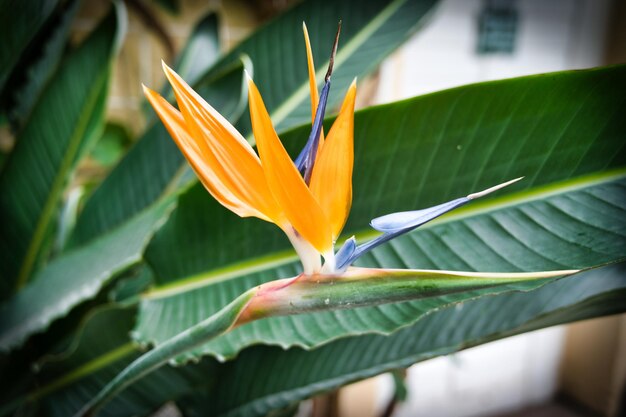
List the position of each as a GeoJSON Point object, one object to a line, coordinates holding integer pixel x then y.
{"type": "Point", "coordinates": [309, 199]}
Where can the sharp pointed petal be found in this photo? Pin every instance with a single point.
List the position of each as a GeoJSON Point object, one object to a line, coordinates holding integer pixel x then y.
{"type": "Point", "coordinates": [411, 219]}
{"type": "Point", "coordinates": [311, 68]}
{"type": "Point", "coordinates": [197, 154]}
{"type": "Point", "coordinates": [284, 180]}
{"type": "Point", "coordinates": [331, 180]}
{"type": "Point", "coordinates": [346, 252]}
{"type": "Point", "coordinates": [306, 160]}
{"type": "Point", "coordinates": [395, 222]}
{"type": "Point", "coordinates": [236, 163]}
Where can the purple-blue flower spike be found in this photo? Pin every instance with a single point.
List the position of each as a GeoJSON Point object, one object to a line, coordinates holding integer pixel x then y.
{"type": "Point", "coordinates": [346, 252]}
{"type": "Point", "coordinates": [411, 219]}
{"type": "Point", "coordinates": [396, 224]}
{"type": "Point", "coordinates": [306, 159]}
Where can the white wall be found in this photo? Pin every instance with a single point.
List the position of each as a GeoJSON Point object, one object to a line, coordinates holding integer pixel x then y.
{"type": "Point", "coordinates": [499, 376]}
{"type": "Point", "coordinates": [553, 35]}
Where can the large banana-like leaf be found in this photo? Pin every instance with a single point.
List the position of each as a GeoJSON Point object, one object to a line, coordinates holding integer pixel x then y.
{"type": "Point", "coordinates": [358, 286]}
{"type": "Point", "coordinates": [370, 31]}
{"type": "Point", "coordinates": [563, 131]}
{"type": "Point", "coordinates": [264, 378]}
{"type": "Point", "coordinates": [588, 216]}
{"type": "Point", "coordinates": [35, 69]}
{"type": "Point", "coordinates": [98, 350]}
{"type": "Point", "coordinates": [80, 272]}
{"type": "Point", "coordinates": [297, 374]}
{"type": "Point", "coordinates": [373, 30]}
{"type": "Point", "coordinates": [63, 123]}
{"type": "Point", "coordinates": [200, 53]}
{"type": "Point", "coordinates": [342, 297]}
{"type": "Point", "coordinates": [154, 166]}
{"type": "Point", "coordinates": [137, 181]}
{"type": "Point", "coordinates": [76, 276]}
{"type": "Point", "coordinates": [20, 20]}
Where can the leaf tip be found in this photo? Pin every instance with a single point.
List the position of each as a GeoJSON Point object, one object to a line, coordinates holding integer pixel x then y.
{"type": "Point", "coordinates": [490, 190]}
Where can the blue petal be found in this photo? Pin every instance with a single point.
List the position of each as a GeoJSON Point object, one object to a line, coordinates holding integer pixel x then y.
{"type": "Point", "coordinates": [345, 253]}
{"type": "Point", "coordinates": [305, 161]}
{"type": "Point", "coordinates": [360, 250]}
{"type": "Point", "coordinates": [396, 224]}
{"type": "Point", "coordinates": [411, 219]}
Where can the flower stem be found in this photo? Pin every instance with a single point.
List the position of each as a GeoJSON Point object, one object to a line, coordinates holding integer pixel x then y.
{"type": "Point", "coordinates": [309, 256]}
{"type": "Point", "coordinates": [213, 326]}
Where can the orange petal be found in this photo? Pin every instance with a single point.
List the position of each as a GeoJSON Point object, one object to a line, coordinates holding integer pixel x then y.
{"type": "Point", "coordinates": [315, 98]}
{"type": "Point", "coordinates": [236, 163]}
{"type": "Point", "coordinates": [283, 178]}
{"type": "Point", "coordinates": [312, 84]}
{"type": "Point", "coordinates": [198, 154]}
{"type": "Point", "coordinates": [331, 181]}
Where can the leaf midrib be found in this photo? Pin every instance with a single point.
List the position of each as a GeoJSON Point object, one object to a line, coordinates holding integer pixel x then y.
{"type": "Point", "coordinates": [279, 258]}
{"type": "Point", "coordinates": [57, 186]}
{"type": "Point", "coordinates": [86, 369]}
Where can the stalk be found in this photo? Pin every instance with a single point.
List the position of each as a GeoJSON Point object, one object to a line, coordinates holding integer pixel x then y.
{"type": "Point", "coordinates": [202, 332]}
{"type": "Point", "coordinates": [357, 287]}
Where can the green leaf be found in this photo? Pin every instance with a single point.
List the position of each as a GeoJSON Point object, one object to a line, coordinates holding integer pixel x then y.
{"type": "Point", "coordinates": [95, 124]}
{"type": "Point", "coordinates": [201, 51]}
{"type": "Point", "coordinates": [98, 350]}
{"type": "Point", "coordinates": [139, 180]}
{"type": "Point", "coordinates": [20, 22]}
{"type": "Point", "coordinates": [357, 287]}
{"type": "Point", "coordinates": [38, 64]}
{"type": "Point", "coordinates": [199, 54]}
{"type": "Point", "coordinates": [297, 374]}
{"type": "Point", "coordinates": [66, 218]}
{"type": "Point", "coordinates": [371, 287]}
{"type": "Point", "coordinates": [562, 130]}
{"type": "Point", "coordinates": [111, 146]}
{"type": "Point", "coordinates": [442, 331]}
{"type": "Point", "coordinates": [80, 272]}
{"type": "Point", "coordinates": [171, 6]}
{"type": "Point", "coordinates": [35, 174]}
{"type": "Point", "coordinates": [76, 276]}
{"type": "Point", "coordinates": [370, 31]}
{"type": "Point", "coordinates": [135, 282]}
{"type": "Point", "coordinates": [102, 331]}
{"type": "Point", "coordinates": [164, 385]}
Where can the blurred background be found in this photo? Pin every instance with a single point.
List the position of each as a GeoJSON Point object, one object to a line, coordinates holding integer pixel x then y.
{"type": "Point", "coordinates": [552, 372]}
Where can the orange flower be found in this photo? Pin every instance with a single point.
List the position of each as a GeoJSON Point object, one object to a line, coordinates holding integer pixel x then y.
{"type": "Point", "coordinates": [309, 199]}
{"type": "Point", "coordinates": [311, 209]}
